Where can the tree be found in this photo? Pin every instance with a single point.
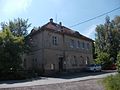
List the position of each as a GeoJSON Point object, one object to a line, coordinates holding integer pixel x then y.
{"type": "Point", "coordinates": [10, 49]}
{"type": "Point", "coordinates": [18, 26]}
{"type": "Point", "coordinates": [12, 46]}
{"type": "Point", "coordinates": [100, 39]}
{"type": "Point", "coordinates": [108, 38]}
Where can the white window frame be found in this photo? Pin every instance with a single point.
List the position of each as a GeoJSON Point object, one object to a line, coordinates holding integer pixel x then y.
{"type": "Point", "coordinates": [54, 40]}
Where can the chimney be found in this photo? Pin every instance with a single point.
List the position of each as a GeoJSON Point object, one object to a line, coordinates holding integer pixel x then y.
{"type": "Point", "coordinates": [60, 23]}
{"type": "Point", "coordinates": [51, 20]}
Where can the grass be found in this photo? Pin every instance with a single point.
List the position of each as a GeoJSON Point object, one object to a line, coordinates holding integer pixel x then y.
{"type": "Point", "coordinates": [112, 82]}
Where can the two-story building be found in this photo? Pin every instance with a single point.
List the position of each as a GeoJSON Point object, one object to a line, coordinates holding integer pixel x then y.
{"type": "Point", "coordinates": [56, 48]}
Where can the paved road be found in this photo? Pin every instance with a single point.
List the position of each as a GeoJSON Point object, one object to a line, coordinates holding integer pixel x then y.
{"type": "Point", "coordinates": [55, 80]}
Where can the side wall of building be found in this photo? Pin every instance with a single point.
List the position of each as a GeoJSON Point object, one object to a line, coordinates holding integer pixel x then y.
{"type": "Point", "coordinates": [34, 59]}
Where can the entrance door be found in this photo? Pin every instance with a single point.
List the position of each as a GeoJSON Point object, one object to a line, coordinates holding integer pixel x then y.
{"type": "Point", "coordinates": [60, 64]}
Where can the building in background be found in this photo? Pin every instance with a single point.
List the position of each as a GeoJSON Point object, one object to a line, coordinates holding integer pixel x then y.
{"type": "Point", "coordinates": [56, 48]}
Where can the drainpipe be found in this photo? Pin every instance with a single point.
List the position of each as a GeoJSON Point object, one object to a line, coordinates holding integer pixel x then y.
{"type": "Point", "coordinates": [64, 56]}
{"type": "Point", "coordinates": [43, 61]}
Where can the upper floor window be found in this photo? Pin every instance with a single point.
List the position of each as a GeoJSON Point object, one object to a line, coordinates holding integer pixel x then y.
{"type": "Point", "coordinates": [78, 44]}
{"type": "Point", "coordinates": [54, 40]}
{"type": "Point", "coordinates": [72, 43]}
{"type": "Point", "coordinates": [83, 45]}
{"type": "Point", "coordinates": [88, 46]}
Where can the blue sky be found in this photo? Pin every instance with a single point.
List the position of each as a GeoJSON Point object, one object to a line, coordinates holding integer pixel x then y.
{"type": "Point", "coordinates": [69, 12]}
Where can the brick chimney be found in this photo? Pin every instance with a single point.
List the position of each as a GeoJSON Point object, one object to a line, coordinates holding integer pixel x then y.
{"type": "Point", "coordinates": [51, 20]}
{"type": "Point", "coordinates": [60, 23]}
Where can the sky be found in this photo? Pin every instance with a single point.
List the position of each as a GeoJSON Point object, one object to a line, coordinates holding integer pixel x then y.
{"type": "Point", "coordinates": [69, 12]}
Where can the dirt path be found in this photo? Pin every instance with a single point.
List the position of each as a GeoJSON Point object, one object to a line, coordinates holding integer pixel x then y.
{"type": "Point", "coordinates": [77, 85]}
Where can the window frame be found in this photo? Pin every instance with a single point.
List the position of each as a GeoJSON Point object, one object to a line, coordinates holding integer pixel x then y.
{"type": "Point", "coordinates": [55, 40]}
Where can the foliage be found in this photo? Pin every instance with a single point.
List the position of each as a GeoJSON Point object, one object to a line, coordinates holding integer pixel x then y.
{"type": "Point", "coordinates": [102, 58]}
{"type": "Point", "coordinates": [18, 26]}
{"type": "Point", "coordinates": [118, 62]}
{"type": "Point", "coordinates": [12, 47]}
{"type": "Point", "coordinates": [107, 38]}
{"type": "Point", "coordinates": [112, 82]}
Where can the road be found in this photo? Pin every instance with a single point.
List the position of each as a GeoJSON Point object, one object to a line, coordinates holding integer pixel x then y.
{"type": "Point", "coordinates": [56, 79]}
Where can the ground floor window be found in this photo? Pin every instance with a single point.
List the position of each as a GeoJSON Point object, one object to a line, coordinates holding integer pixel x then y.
{"type": "Point", "coordinates": [82, 60]}
{"type": "Point", "coordinates": [34, 63]}
{"type": "Point", "coordinates": [87, 60]}
{"type": "Point", "coordinates": [25, 63]}
{"type": "Point", "coordinates": [52, 66]}
{"type": "Point", "coordinates": [74, 61]}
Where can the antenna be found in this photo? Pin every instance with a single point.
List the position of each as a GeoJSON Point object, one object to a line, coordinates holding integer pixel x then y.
{"type": "Point", "coordinates": [56, 18]}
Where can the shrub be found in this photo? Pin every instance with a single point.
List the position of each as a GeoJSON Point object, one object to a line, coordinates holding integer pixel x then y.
{"type": "Point", "coordinates": [118, 62]}
{"type": "Point", "coordinates": [103, 59]}
{"type": "Point", "coordinates": [112, 82]}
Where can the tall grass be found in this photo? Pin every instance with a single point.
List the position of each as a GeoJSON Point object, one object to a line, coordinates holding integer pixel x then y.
{"type": "Point", "coordinates": [112, 82]}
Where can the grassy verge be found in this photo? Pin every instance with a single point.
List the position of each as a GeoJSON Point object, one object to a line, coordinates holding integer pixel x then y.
{"type": "Point", "coordinates": [112, 82]}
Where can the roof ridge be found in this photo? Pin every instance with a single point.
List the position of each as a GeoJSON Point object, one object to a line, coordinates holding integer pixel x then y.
{"type": "Point", "coordinates": [52, 26]}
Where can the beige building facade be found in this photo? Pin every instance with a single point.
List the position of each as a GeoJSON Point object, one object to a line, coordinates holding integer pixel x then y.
{"type": "Point", "coordinates": [56, 48]}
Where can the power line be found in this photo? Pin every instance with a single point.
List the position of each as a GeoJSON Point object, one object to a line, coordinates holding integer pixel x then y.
{"type": "Point", "coordinates": [95, 17]}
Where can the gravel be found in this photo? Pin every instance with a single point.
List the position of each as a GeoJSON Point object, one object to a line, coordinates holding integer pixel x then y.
{"type": "Point", "coordinates": [93, 84]}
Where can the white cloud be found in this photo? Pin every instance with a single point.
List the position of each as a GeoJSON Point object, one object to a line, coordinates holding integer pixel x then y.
{"type": "Point", "coordinates": [12, 7]}
{"type": "Point", "coordinates": [90, 32]}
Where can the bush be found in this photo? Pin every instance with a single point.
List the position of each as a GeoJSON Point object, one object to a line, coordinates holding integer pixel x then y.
{"type": "Point", "coordinates": [112, 82]}
{"type": "Point", "coordinates": [11, 75]}
{"type": "Point", "coordinates": [103, 59]}
{"type": "Point", "coordinates": [118, 62]}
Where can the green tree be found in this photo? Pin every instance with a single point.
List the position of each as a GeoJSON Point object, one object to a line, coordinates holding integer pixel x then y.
{"type": "Point", "coordinates": [18, 26]}
{"type": "Point", "coordinates": [11, 48]}
{"type": "Point", "coordinates": [108, 38]}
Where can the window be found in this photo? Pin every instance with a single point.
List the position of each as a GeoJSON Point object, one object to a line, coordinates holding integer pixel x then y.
{"type": "Point", "coordinates": [34, 62]}
{"type": "Point", "coordinates": [87, 60]}
{"type": "Point", "coordinates": [54, 40]}
{"type": "Point", "coordinates": [72, 43]}
{"type": "Point", "coordinates": [52, 66]}
{"type": "Point", "coordinates": [75, 61]}
{"type": "Point", "coordinates": [78, 44]}
{"type": "Point", "coordinates": [83, 45]}
{"type": "Point", "coordinates": [25, 63]}
{"type": "Point", "coordinates": [88, 46]}
{"type": "Point", "coordinates": [82, 60]}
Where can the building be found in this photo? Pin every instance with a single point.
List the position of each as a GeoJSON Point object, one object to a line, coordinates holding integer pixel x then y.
{"type": "Point", "coordinates": [56, 48]}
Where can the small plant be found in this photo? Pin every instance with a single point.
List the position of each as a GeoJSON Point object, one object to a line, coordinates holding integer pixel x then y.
{"type": "Point", "coordinates": [112, 82]}
{"type": "Point", "coordinates": [118, 62]}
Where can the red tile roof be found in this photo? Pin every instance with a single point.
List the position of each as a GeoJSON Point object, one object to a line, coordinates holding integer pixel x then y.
{"type": "Point", "coordinates": [54, 27]}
